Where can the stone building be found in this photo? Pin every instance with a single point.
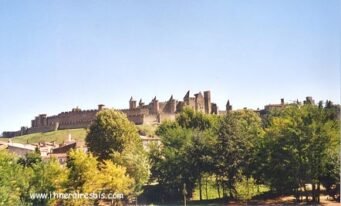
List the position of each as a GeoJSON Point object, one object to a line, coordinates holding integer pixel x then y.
{"type": "Point", "coordinates": [141, 113]}
{"type": "Point", "coordinates": [157, 111]}
{"type": "Point", "coordinates": [20, 149]}
{"type": "Point", "coordinates": [270, 107]}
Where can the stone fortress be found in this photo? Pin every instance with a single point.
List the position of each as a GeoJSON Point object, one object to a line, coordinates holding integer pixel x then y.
{"type": "Point", "coordinates": [139, 113]}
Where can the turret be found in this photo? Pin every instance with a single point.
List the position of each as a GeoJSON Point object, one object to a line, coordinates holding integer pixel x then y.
{"type": "Point", "coordinates": [214, 108]}
{"type": "Point", "coordinates": [172, 105]}
{"type": "Point", "coordinates": [199, 103]}
{"type": "Point", "coordinates": [141, 104]}
{"type": "Point", "coordinates": [155, 105]}
{"type": "Point", "coordinates": [207, 99]}
{"type": "Point", "coordinates": [309, 100]}
{"type": "Point", "coordinates": [100, 107]}
{"type": "Point", "coordinates": [186, 97]}
{"type": "Point", "coordinates": [228, 106]}
{"type": "Point", "coordinates": [41, 120]}
{"type": "Point", "coordinates": [132, 103]}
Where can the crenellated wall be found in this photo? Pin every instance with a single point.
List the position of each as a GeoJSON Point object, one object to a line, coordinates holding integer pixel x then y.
{"type": "Point", "coordinates": [66, 119]}
{"type": "Point", "coordinates": [76, 118]}
{"type": "Point", "coordinates": [153, 113]}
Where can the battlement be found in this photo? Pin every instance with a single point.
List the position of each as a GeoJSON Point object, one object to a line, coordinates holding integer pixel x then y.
{"type": "Point", "coordinates": [141, 113]}
{"type": "Point", "coordinates": [77, 111]}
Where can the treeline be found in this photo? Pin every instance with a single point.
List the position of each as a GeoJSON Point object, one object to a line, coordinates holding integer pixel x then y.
{"type": "Point", "coordinates": [286, 150]}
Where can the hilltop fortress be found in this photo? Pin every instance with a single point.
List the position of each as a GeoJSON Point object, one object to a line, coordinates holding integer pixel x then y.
{"type": "Point", "coordinates": [139, 113]}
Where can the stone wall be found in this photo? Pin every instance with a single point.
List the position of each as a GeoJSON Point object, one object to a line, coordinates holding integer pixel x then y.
{"type": "Point", "coordinates": [151, 119]}
{"type": "Point", "coordinates": [76, 118]}
{"type": "Point", "coordinates": [137, 119]}
{"type": "Point", "coordinates": [152, 113]}
{"type": "Point", "coordinates": [64, 148]}
{"type": "Point", "coordinates": [136, 111]}
{"type": "Point", "coordinates": [40, 129]}
{"type": "Point", "coordinates": [11, 134]}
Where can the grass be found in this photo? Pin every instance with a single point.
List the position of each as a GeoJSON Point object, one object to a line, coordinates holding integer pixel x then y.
{"type": "Point", "coordinates": [211, 190]}
{"type": "Point", "coordinates": [57, 136]}
{"type": "Point", "coordinates": [246, 189]}
{"type": "Point", "coordinates": [62, 135]}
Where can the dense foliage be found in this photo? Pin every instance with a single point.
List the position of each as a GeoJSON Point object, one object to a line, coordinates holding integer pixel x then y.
{"type": "Point", "coordinates": [301, 146]}
{"type": "Point", "coordinates": [286, 150]}
{"type": "Point", "coordinates": [19, 180]}
{"type": "Point", "coordinates": [237, 153]}
{"type": "Point", "coordinates": [113, 137]}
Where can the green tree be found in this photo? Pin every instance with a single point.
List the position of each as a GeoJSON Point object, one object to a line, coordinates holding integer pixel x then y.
{"type": "Point", "coordinates": [48, 176]}
{"type": "Point", "coordinates": [200, 155]}
{"type": "Point", "coordinates": [14, 181]}
{"type": "Point", "coordinates": [169, 167]}
{"type": "Point", "coordinates": [229, 153]}
{"type": "Point", "coordinates": [115, 179]}
{"type": "Point", "coordinates": [30, 159]}
{"type": "Point", "coordinates": [83, 177]}
{"type": "Point", "coordinates": [111, 132]}
{"type": "Point", "coordinates": [186, 153]}
{"type": "Point", "coordinates": [251, 133]}
{"type": "Point", "coordinates": [298, 145]}
{"type": "Point", "coordinates": [137, 164]}
{"type": "Point", "coordinates": [113, 136]}
{"type": "Point", "coordinates": [238, 135]}
{"type": "Point", "coordinates": [87, 175]}
{"type": "Point", "coordinates": [189, 118]}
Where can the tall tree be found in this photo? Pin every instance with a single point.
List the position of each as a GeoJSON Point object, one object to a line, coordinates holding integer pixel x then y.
{"type": "Point", "coordinates": [199, 155]}
{"type": "Point", "coordinates": [251, 133]}
{"type": "Point", "coordinates": [111, 132]}
{"type": "Point", "coordinates": [14, 180]}
{"type": "Point", "coordinates": [114, 178]}
{"type": "Point", "coordinates": [191, 119]}
{"type": "Point", "coordinates": [83, 177]}
{"type": "Point", "coordinates": [112, 136]}
{"type": "Point", "coordinates": [229, 152]}
{"type": "Point", "coordinates": [238, 134]}
{"type": "Point", "coordinates": [89, 176]}
{"type": "Point", "coordinates": [298, 144]}
{"type": "Point", "coordinates": [187, 146]}
{"type": "Point", "coordinates": [170, 167]}
{"type": "Point", "coordinates": [137, 165]}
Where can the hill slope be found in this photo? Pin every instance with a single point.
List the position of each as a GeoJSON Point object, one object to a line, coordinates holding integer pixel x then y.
{"type": "Point", "coordinates": [62, 135]}
{"type": "Point", "coordinates": [57, 136]}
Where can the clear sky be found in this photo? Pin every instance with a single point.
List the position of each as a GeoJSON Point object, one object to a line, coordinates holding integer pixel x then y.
{"type": "Point", "coordinates": [59, 54]}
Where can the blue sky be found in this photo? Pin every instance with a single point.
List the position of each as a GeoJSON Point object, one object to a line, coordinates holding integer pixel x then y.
{"type": "Point", "coordinates": [56, 55]}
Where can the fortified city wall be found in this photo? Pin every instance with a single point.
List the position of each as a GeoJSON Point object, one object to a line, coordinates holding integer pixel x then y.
{"type": "Point", "coordinates": [152, 113]}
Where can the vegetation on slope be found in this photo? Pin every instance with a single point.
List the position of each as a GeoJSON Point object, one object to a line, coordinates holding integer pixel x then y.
{"type": "Point", "coordinates": [57, 136]}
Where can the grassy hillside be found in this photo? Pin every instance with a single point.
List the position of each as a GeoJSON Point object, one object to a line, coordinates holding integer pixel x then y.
{"type": "Point", "coordinates": [62, 135]}
{"type": "Point", "coordinates": [57, 136]}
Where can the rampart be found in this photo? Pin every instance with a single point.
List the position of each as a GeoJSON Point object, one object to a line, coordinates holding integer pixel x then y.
{"type": "Point", "coordinates": [152, 113]}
